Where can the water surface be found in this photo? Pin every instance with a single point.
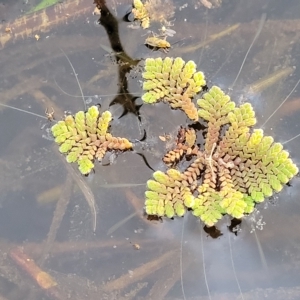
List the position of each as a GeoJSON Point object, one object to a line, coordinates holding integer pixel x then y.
{"type": "Point", "coordinates": [176, 259]}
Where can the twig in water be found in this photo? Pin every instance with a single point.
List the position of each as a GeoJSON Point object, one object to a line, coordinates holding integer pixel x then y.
{"type": "Point", "coordinates": [140, 272]}
{"type": "Point", "coordinates": [58, 215]}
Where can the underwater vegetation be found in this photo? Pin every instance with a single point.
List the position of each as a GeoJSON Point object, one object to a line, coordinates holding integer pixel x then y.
{"type": "Point", "coordinates": [237, 167]}
{"type": "Point", "coordinates": [84, 137]}
{"type": "Point", "coordinates": [43, 4]}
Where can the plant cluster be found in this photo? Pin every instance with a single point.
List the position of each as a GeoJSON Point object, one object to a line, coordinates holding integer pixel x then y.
{"type": "Point", "coordinates": [84, 137]}
{"type": "Point", "coordinates": [232, 170]}
{"type": "Point", "coordinates": [228, 175]}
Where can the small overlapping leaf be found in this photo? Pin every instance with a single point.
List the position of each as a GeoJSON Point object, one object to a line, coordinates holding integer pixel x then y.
{"type": "Point", "coordinates": [207, 207]}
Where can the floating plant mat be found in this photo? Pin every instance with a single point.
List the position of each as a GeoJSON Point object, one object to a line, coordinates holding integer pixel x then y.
{"type": "Point", "coordinates": [236, 167]}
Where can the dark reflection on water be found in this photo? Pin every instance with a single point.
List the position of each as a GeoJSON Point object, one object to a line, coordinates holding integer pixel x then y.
{"type": "Point", "coordinates": [169, 259]}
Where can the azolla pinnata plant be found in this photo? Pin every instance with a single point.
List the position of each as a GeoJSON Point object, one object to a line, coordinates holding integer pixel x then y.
{"type": "Point", "coordinates": [141, 13]}
{"type": "Point", "coordinates": [84, 138]}
{"type": "Point", "coordinates": [232, 172]}
{"type": "Point", "coordinates": [173, 81]}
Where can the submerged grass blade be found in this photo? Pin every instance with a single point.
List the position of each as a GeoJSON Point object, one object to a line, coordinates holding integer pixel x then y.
{"type": "Point", "coordinates": [43, 4]}
{"type": "Point", "coordinates": [75, 74]}
{"type": "Point", "coordinates": [260, 27]}
{"type": "Point", "coordinates": [87, 192]}
{"type": "Point", "coordinates": [120, 223]}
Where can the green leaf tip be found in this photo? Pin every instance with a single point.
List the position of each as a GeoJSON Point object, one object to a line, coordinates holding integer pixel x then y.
{"type": "Point", "coordinates": [238, 167]}
{"type": "Point", "coordinates": [140, 13]}
{"type": "Point", "coordinates": [85, 165]}
{"type": "Point", "coordinates": [165, 194]}
{"type": "Point", "coordinates": [215, 105]}
{"type": "Point", "coordinates": [173, 81]}
{"type": "Point", "coordinates": [84, 137]}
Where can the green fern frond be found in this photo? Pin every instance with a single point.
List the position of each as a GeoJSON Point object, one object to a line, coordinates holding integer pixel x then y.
{"type": "Point", "coordinates": [84, 137]}
{"type": "Point", "coordinates": [174, 81]}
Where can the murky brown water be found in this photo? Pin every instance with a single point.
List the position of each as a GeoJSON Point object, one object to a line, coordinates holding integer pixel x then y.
{"type": "Point", "coordinates": [176, 259]}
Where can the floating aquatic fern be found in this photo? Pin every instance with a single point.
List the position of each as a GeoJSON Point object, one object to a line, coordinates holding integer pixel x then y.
{"type": "Point", "coordinates": [185, 147]}
{"type": "Point", "coordinates": [167, 196]}
{"type": "Point", "coordinates": [236, 168]}
{"type": "Point", "coordinates": [173, 81]}
{"type": "Point", "coordinates": [140, 13]}
{"type": "Point", "coordinates": [84, 138]}
{"type": "Point", "coordinates": [230, 175]}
